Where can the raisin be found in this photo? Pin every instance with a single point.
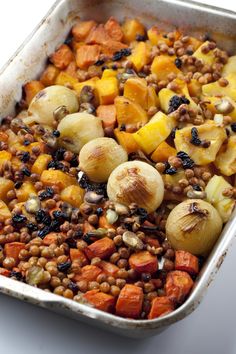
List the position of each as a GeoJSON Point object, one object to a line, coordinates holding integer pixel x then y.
{"type": "Point", "coordinates": [176, 102]}
{"type": "Point", "coordinates": [48, 193]}
{"type": "Point", "coordinates": [59, 154]}
{"type": "Point", "coordinates": [169, 170]}
{"type": "Point", "coordinates": [26, 171]}
{"type": "Point", "coordinates": [99, 211]}
{"type": "Point", "coordinates": [56, 133]}
{"type": "Point", "coordinates": [122, 127]}
{"type": "Point", "coordinates": [140, 38]}
{"type": "Point", "coordinates": [233, 127]}
{"type": "Point", "coordinates": [187, 162]}
{"type": "Point", "coordinates": [195, 139]}
{"type": "Point", "coordinates": [25, 157]}
{"type": "Point", "coordinates": [18, 184]}
{"type": "Point", "coordinates": [196, 187]}
{"type": "Point", "coordinates": [99, 62]}
{"type": "Point", "coordinates": [178, 63]}
{"type": "Point", "coordinates": [32, 227]}
{"type": "Point", "coordinates": [26, 143]}
{"type": "Point", "coordinates": [18, 219]}
{"type": "Point", "coordinates": [73, 286]}
{"type": "Point", "coordinates": [16, 275]}
{"type": "Point", "coordinates": [64, 267]}
{"type": "Point", "coordinates": [142, 213]}
{"type": "Point", "coordinates": [44, 231]}
{"type": "Point", "coordinates": [122, 53]}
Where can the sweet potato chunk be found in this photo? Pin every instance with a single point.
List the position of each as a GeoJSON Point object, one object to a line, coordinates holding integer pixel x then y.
{"type": "Point", "coordinates": [130, 300]}
{"type": "Point", "coordinates": [13, 249]}
{"type": "Point", "coordinates": [62, 57]}
{"type": "Point", "coordinates": [178, 286]}
{"type": "Point", "coordinates": [5, 186]}
{"type": "Point", "coordinates": [81, 29]}
{"type": "Point", "coordinates": [76, 254]}
{"type": "Point", "coordinates": [58, 178]}
{"type": "Point", "coordinates": [100, 300]}
{"type": "Point", "coordinates": [143, 262]}
{"type": "Point", "coordinates": [187, 262]}
{"type": "Point", "coordinates": [73, 195]}
{"type": "Point", "coordinates": [102, 248]}
{"type": "Point", "coordinates": [4, 211]}
{"type": "Point", "coordinates": [126, 140]}
{"type": "Point", "coordinates": [88, 272]}
{"type": "Point", "coordinates": [107, 113]}
{"type": "Point", "coordinates": [49, 75]}
{"type": "Point", "coordinates": [160, 307]}
{"type": "Point", "coordinates": [114, 29]}
{"type": "Point", "coordinates": [98, 35]}
{"type": "Point", "coordinates": [31, 88]}
{"type": "Point", "coordinates": [50, 238]}
{"type": "Point", "coordinates": [41, 163]}
{"type": "Point", "coordinates": [4, 272]}
{"type": "Point", "coordinates": [87, 55]}
{"type": "Point", "coordinates": [108, 268]}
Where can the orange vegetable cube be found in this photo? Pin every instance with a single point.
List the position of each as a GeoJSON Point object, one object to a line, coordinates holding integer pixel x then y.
{"type": "Point", "coordinates": [87, 55]}
{"type": "Point", "coordinates": [131, 28]}
{"type": "Point", "coordinates": [88, 272]}
{"type": "Point", "coordinates": [135, 89]}
{"type": "Point", "coordinates": [73, 195]}
{"type": "Point", "coordinates": [98, 35]}
{"type": "Point", "coordinates": [62, 57]}
{"type": "Point", "coordinates": [162, 66]}
{"type": "Point", "coordinates": [160, 306]}
{"type": "Point", "coordinates": [143, 262]}
{"type": "Point", "coordinates": [114, 29]}
{"type": "Point", "coordinates": [130, 301]}
{"type": "Point", "coordinates": [101, 301]}
{"type": "Point", "coordinates": [5, 272]}
{"type": "Point", "coordinates": [107, 90]}
{"type": "Point", "coordinates": [4, 211]}
{"type": "Point", "coordinates": [126, 140]}
{"type": "Point", "coordinates": [4, 156]}
{"type": "Point", "coordinates": [128, 112]}
{"type": "Point", "coordinates": [81, 29]}
{"type": "Point", "coordinates": [108, 268]}
{"type": "Point", "coordinates": [49, 75]}
{"type": "Point", "coordinates": [78, 255]}
{"type": "Point", "coordinates": [178, 286]}
{"type": "Point", "coordinates": [50, 238]}
{"type": "Point", "coordinates": [107, 113]}
{"type": "Point", "coordinates": [64, 79]}
{"type": "Point", "coordinates": [25, 191]}
{"type": "Point", "coordinates": [58, 178]}
{"type": "Point", "coordinates": [13, 249]}
{"type": "Point", "coordinates": [163, 152]}
{"type": "Point", "coordinates": [102, 248]}
{"type": "Point", "coordinates": [185, 261]}
{"type": "Point", "coordinates": [31, 89]}
{"type": "Point", "coordinates": [41, 163]}
{"type": "Point", "coordinates": [5, 186]}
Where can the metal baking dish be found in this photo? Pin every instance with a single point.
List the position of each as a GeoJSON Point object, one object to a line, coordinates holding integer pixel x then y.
{"type": "Point", "coordinates": [29, 61]}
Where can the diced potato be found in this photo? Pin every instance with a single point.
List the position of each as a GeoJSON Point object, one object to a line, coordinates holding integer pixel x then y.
{"type": "Point", "coordinates": [163, 65]}
{"type": "Point", "coordinates": [135, 89]}
{"type": "Point", "coordinates": [41, 163]}
{"type": "Point", "coordinates": [25, 191]}
{"type": "Point", "coordinates": [214, 190]}
{"type": "Point", "coordinates": [49, 75]}
{"type": "Point", "coordinates": [131, 28]}
{"type": "Point", "coordinates": [4, 156]}
{"type": "Point", "coordinates": [230, 66]}
{"type": "Point", "coordinates": [208, 131]}
{"type": "Point", "coordinates": [154, 133]}
{"type": "Point", "coordinates": [109, 73]}
{"type": "Point", "coordinates": [5, 186]}
{"type": "Point", "coordinates": [128, 112]}
{"type": "Point", "coordinates": [31, 88]}
{"type": "Point", "coordinates": [4, 211]}
{"type": "Point", "coordinates": [107, 90]}
{"type": "Point", "coordinates": [226, 160]}
{"type": "Point", "coordinates": [73, 195]}
{"type": "Point", "coordinates": [65, 79]}
{"type": "Point", "coordinates": [126, 140]}
{"type": "Point", "coordinates": [163, 152]}
{"type": "Point", "coordinates": [58, 178]}
{"type": "Point", "coordinates": [208, 58]}
{"type": "Point", "coordinates": [140, 55]}
{"type": "Point", "coordinates": [214, 89]}
{"type": "Point", "coordinates": [165, 96]}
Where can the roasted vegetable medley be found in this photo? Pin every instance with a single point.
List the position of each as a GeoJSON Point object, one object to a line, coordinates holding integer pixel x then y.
{"type": "Point", "coordinates": [117, 172]}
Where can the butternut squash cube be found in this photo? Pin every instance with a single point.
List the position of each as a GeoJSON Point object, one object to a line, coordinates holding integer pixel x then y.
{"type": "Point", "coordinates": [131, 28]}
{"type": "Point", "coordinates": [73, 195]}
{"type": "Point", "coordinates": [208, 58]}
{"type": "Point", "coordinates": [126, 140]}
{"type": "Point", "coordinates": [154, 132]}
{"type": "Point", "coordinates": [25, 191]}
{"type": "Point", "coordinates": [49, 75]}
{"type": "Point", "coordinates": [31, 89]}
{"type": "Point", "coordinates": [87, 55]}
{"type": "Point", "coordinates": [58, 178]}
{"type": "Point", "coordinates": [226, 160]}
{"type": "Point", "coordinates": [41, 163]}
{"type": "Point", "coordinates": [4, 211]}
{"type": "Point", "coordinates": [107, 90]}
{"type": "Point", "coordinates": [153, 100]}
{"type": "Point", "coordinates": [65, 79]}
{"type": "Point", "coordinates": [128, 112]}
{"type": "Point", "coordinates": [195, 88]}
{"type": "Point", "coordinates": [214, 89]}
{"type": "Point", "coordinates": [91, 82]}
{"type": "Point", "coordinates": [163, 65]}
{"type": "Point", "coordinates": [155, 36]}
{"type": "Point", "coordinates": [140, 55]}
{"type": "Point", "coordinates": [230, 66]}
{"type": "Point", "coordinates": [163, 152]}
{"type": "Point", "coordinates": [4, 156]}
{"type": "Point", "coordinates": [109, 73]}
{"type": "Point", "coordinates": [135, 89]}
{"type": "Point", "coordinates": [81, 29]}
{"type": "Point", "coordinates": [208, 131]}
{"type": "Point", "coordinates": [5, 186]}
{"type": "Point", "coordinates": [165, 96]}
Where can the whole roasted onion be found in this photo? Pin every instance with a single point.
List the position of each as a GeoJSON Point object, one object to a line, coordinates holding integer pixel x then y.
{"type": "Point", "coordinates": [136, 182]}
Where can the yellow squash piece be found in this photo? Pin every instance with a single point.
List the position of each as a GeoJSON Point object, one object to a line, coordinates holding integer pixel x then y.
{"type": "Point", "coordinates": [5, 186]}
{"type": "Point", "coordinates": [230, 66]}
{"type": "Point", "coordinates": [195, 88]}
{"type": "Point", "coordinates": [4, 156]}
{"type": "Point", "coordinates": [109, 73]}
{"type": "Point", "coordinates": [128, 112]}
{"type": "Point", "coordinates": [165, 96]}
{"type": "Point", "coordinates": [4, 211]}
{"type": "Point", "coordinates": [58, 178]}
{"type": "Point", "coordinates": [155, 36]}
{"type": "Point", "coordinates": [163, 152]}
{"type": "Point", "coordinates": [208, 58]}
{"type": "Point", "coordinates": [91, 82]}
{"type": "Point", "coordinates": [126, 140]}
{"type": "Point", "coordinates": [73, 195]}
{"type": "Point", "coordinates": [153, 100]}
{"type": "Point", "coordinates": [214, 89]}
{"type": "Point", "coordinates": [226, 160]}
{"type": "Point", "coordinates": [131, 28]}
{"type": "Point", "coordinates": [214, 190]}
{"type": "Point", "coordinates": [65, 79]}
{"type": "Point", "coordinates": [209, 132]}
{"type": "Point", "coordinates": [163, 65]}
{"type": "Point", "coordinates": [107, 90]}
{"type": "Point", "coordinates": [140, 55]}
{"type": "Point", "coordinates": [136, 90]}
{"type": "Point", "coordinates": [25, 191]}
{"type": "Point", "coordinates": [154, 133]}
{"type": "Point", "coordinates": [41, 163]}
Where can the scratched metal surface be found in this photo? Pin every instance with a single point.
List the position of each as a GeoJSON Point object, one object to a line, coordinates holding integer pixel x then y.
{"type": "Point", "coordinates": [29, 61]}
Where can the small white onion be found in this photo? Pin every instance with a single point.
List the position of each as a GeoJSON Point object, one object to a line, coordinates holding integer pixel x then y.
{"type": "Point", "coordinates": [100, 157]}
{"type": "Point", "coordinates": [47, 101]}
{"type": "Point", "coordinates": [194, 226]}
{"type": "Point", "coordinates": [78, 129]}
{"type": "Point", "coordinates": [136, 182]}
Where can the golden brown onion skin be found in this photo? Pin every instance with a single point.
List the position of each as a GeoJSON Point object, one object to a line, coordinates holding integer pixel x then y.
{"type": "Point", "coordinates": [136, 182]}
{"type": "Point", "coordinates": [194, 226]}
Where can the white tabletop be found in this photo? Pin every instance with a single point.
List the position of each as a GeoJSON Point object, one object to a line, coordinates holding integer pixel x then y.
{"type": "Point", "coordinates": [28, 329]}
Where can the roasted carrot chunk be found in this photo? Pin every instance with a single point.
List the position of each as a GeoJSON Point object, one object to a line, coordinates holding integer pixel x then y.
{"type": "Point", "coordinates": [98, 35]}
{"type": "Point", "coordinates": [107, 113]}
{"type": "Point", "coordinates": [76, 254]}
{"type": "Point", "coordinates": [87, 55]}
{"type": "Point", "coordinates": [102, 248]}
{"type": "Point", "coordinates": [4, 272]}
{"type": "Point", "coordinates": [62, 57]}
{"type": "Point", "coordinates": [31, 89]}
{"type": "Point", "coordinates": [100, 300]}
{"type": "Point", "coordinates": [49, 75]}
{"type": "Point", "coordinates": [108, 268]}
{"type": "Point", "coordinates": [187, 262]}
{"type": "Point", "coordinates": [50, 238]}
{"type": "Point", "coordinates": [160, 307]}
{"type": "Point", "coordinates": [13, 249]}
{"type": "Point", "coordinates": [110, 47]}
{"type": "Point", "coordinates": [130, 300]}
{"type": "Point", "coordinates": [143, 262]}
{"type": "Point", "coordinates": [81, 29]}
{"type": "Point", "coordinates": [72, 69]}
{"type": "Point", "coordinates": [114, 29]}
{"type": "Point", "coordinates": [88, 272]}
{"type": "Point", "coordinates": [153, 242]}
{"type": "Point", "coordinates": [178, 286]}
{"type": "Point", "coordinates": [103, 223]}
